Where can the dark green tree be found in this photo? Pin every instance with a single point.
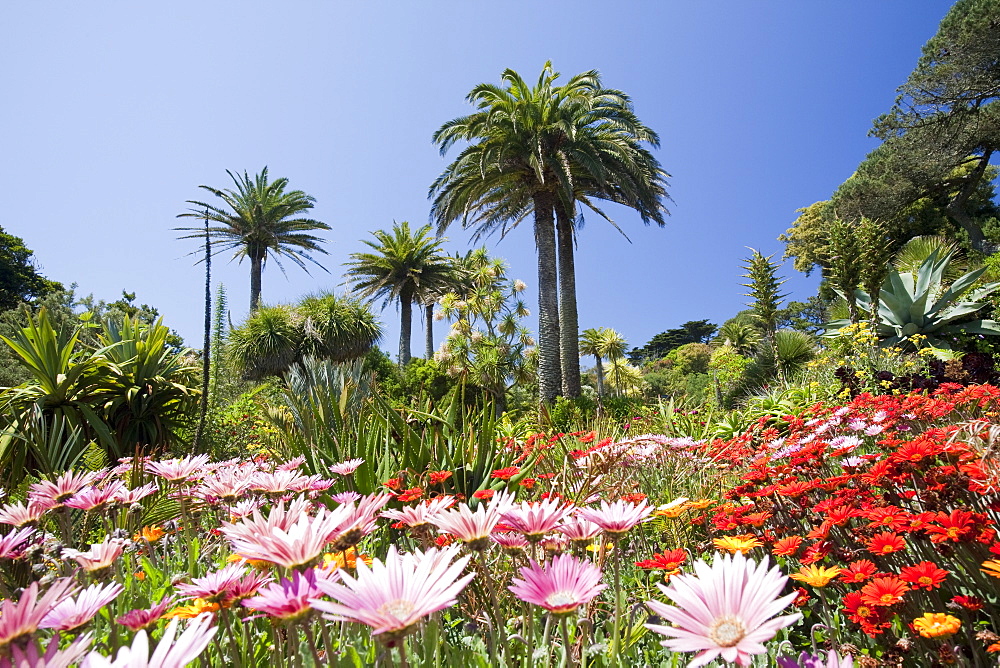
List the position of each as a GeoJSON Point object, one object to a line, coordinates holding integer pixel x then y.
{"type": "Point", "coordinates": [259, 220]}
{"type": "Point", "coordinates": [693, 331]}
{"type": "Point", "coordinates": [20, 281]}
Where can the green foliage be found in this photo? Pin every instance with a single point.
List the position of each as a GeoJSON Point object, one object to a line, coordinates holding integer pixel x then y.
{"type": "Point", "coordinates": [20, 281]}
{"type": "Point", "coordinates": [740, 333]}
{"type": "Point", "coordinates": [726, 367]}
{"type": "Point", "coordinates": [275, 338]}
{"type": "Point", "coordinates": [694, 331]}
{"type": "Point", "coordinates": [764, 289]}
{"type": "Point", "coordinates": [917, 309]}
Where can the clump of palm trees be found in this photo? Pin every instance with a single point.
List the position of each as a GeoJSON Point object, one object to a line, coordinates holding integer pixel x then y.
{"type": "Point", "coordinates": [547, 151]}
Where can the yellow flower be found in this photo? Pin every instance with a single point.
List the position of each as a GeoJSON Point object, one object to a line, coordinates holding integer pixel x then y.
{"type": "Point", "coordinates": [673, 509]}
{"type": "Point", "coordinates": [741, 543]}
{"type": "Point", "coordinates": [817, 576]}
{"type": "Point", "coordinates": [595, 547]}
{"type": "Point", "coordinates": [991, 567]}
{"type": "Point", "coordinates": [348, 559]}
{"type": "Point", "coordinates": [149, 534]}
{"type": "Point", "coordinates": [936, 625]}
{"type": "Point", "coordinates": [199, 606]}
{"type": "Point", "coordinates": [700, 504]}
{"type": "Point", "coordinates": [259, 564]}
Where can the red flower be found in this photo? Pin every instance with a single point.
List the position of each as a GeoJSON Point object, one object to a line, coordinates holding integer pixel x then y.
{"type": "Point", "coordinates": [411, 494]}
{"type": "Point", "coordinates": [795, 489]}
{"type": "Point", "coordinates": [884, 591]}
{"type": "Point", "coordinates": [802, 598]}
{"type": "Point", "coordinates": [787, 547]}
{"type": "Point", "coordinates": [969, 602]}
{"type": "Point", "coordinates": [443, 539]}
{"type": "Point", "coordinates": [528, 483]}
{"type": "Point", "coordinates": [588, 437]}
{"type": "Point", "coordinates": [839, 515]}
{"type": "Point", "coordinates": [886, 543]}
{"type": "Point", "coordinates": [890, 518]}
{"type": "Point", "coordinates": [483, 494]}
{"type": "Point", "coordinates": [506, 473]}
{"type": "Point", "coordinates": [953, 527]}
{"type": "Point", "coordinates": [858, 571]}
{"type": "Point", "coordinates": [438, 477]}
{"type": "Point", "coordinates": [667, 561]}
{"type": "Point", "coordinates": [925, 575]}
{"type": "Point", "coordinates": [394, 483]}
{"type": "Point", "coordinates": [637, 497]}
{"type": "Point", "coordinates": [856, 609]}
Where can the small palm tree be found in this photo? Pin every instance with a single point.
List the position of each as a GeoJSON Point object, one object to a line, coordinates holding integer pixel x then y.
{"type": "Point", "coordinates": [406, 266]}
{"type": "Point", "coordinates": [592, 343]}
{"type": "Point", "coordinates": [258, 220]}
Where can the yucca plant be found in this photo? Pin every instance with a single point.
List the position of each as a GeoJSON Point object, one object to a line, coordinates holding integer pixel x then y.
{"type": "Point", "coordinates": [917, 309]}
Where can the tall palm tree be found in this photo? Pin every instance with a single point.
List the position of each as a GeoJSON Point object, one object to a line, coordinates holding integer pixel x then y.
{"type": "Point", "coordinates": [258, 220]}
{"type": "Point", "coordinates": [406, 266]}
{"type": "Point", "coordinates": [536, 150]}
{"type": "Point", "coordinates": [591, 343]}
{"type": "Point", "coordinates": [614, 345]}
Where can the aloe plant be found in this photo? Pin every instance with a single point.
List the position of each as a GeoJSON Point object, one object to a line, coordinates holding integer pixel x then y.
{"type": "Point", "coordinates": [918, 309]}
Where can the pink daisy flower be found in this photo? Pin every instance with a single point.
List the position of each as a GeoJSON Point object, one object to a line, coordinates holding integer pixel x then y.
{"type": "Point", "coordinates": [473, 527]}
{"type": "Point", "coordinates": [127, 496]}
{"type": "Point", "coordinates": [291, 464]}
{"type": "Point", "coordinates": [618, 517]}
{"type": "Point", "coordinates": [392, 597]}
{"type": "Point", "coordinates": [288, 600]}
{"type": "Point", "coordinates": [143, 618]}
{"type": "Point", "coordinates": [346, 497]}
{"type": "Point", "coordinates": [100, 556]}
{"type": "Point", "coordinates": [244, 508]}
{"type": "Point", "coordinates": [276, 482]}
{"type": "Point", "coordinates": [561, 587]}
{"type": "Point", "coordinates": [535, 519]}
{"type": "Point", "coordinates": [510, 541]}
{"type": "Point", "coordinates": [226, 484]}
{"type": "Point", "coordinates": [18, 514]}
{"type": "Point", "coordinates": [178, 470]}
{"type": "Point", "coordinates": [359, 523]}
{"type": "Point", "coordinates": [12, 545]}
{"type": "Point", "coordinates": [71, 613]}
{"type": "Point", "coordinates": [724, 610]}
{"type": "Point", "coordinates": [215, 586]}
{"type": "Point", "coordinates": [296, 545]}
{"type": "Point", "coordinates": [169, 653]}
{"type": "Point", "coordinates": [53, 656]}
{"type": "Point", "coordinates": [21, 619]}
{"type": "Point", "coordinates": [59, 490]}
{"type": "Point", "coordinates": [348, 467]}
{"type": "Point", "coordinates": [95, 498]}
{"type": "Point", "coordinates": [577, 529]}
{"type": "Point", "coordinates": [420, 514]}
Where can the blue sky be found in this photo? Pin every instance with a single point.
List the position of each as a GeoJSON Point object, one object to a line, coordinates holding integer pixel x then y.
{"type": "Point", "coordinates": [115, 112]}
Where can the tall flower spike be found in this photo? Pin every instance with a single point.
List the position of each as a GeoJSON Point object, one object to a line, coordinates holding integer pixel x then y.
{"type": "Point", "coordinates": [725, 610]}
{"type": "Point", "coordinates": [393, 596]}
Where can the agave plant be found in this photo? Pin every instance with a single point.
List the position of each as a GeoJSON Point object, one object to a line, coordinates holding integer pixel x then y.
{"type": "Point", "coordinates": [917, 308]}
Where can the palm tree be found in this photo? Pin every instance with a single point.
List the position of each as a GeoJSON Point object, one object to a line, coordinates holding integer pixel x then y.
{"type": "Point", "coordinates": [591, 343]}
{"type": "Point", "coordinates": [259, 220]}
{"type": "Point", "coordinates": [406, 267]}
{"type": "Point", "coordinates": [539, 150]}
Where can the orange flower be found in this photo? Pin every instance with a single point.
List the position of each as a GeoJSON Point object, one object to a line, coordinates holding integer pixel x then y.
{"type": "Point", "coordinates": [506, 473]}
{"type": "Point", "coordinates": [741, 543]}
{"type": "Point", "coordinates": [991, 567]}
{"type": "Point", "coordinates": [667, 561]}
{"type": "Point", "coordinates": [816, 576]}
{"type": "Point", "coordinates": [198, 607]}
{"type": "Point", "coordinates": [787, 547]}
{"type": "Point", "coordinates": [150, 534]}
{"type": "Point", "coordinates": [346, 559]}
{"type": "Point", "coordinates": [858, 571]}
{"type": "Point", "coordinates": [936, 625]}
{"type": "Point", "coordinates": [700, 504]}
{"type": "Point", "coordinates": [884, 591]}
{"type": "Point", "coordinates": [438, 477]}
{"type": "Point", "coordinates": [886, 543]}
{"type": "Point", "coordinates": [925, 575]}
{"type": "Point", "coordinates": [411, 494]}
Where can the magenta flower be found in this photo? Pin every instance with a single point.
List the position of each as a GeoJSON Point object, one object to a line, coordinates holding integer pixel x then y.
{"type": "Point", "coordinates": [226, 484]}
{"type": "Point", "coordinates": [177, 470]}
{"type": "Point", "coordinates": [100, 556]}
{"type": "Point", "coordinates": [725, 610]}
{"type": "Point", "coordinates": [510, 541]}
{"type": "Point", "coordinates": [346, 497]}
{"type": "Point", "coordinates": [215, 586]}
{"type": "Point", "coordinates": [297, 545]}
{"type": "Point", "coordinates": [18, 514]}
{"type": "Point", "coordinates": [392, 597]}
{"type": "Point", "coordinates": [71, 613]}
{"type": "Point", "coordinates": [618, 517]}
{"type": "Point", "coordinates": [348, 467]}
{"type": "Point", "coordinates": [291, 464]}
{"type": "Point", "coordinates": [473, 527]}
{"type": "Point", "coordinates": [143, 618]}
{"type": "Point", "coordinates": [12, 545]}
{"type": "Point", "coordinates": [807, 660]}
{"type": "Point", "coordinates": [127, 496]}
{"type": "Point", "coordinates": [535, 519]}
{"type": "Point", "coordinates": [577, 529]}
{"type": "Point", "coordinates": [561, 587]}
{"type": "Point", "coordinates": [420, 514]}
{"type": "Point", "coordinates": [169, 653]}
{"type": "Point", "coordinates": [288, 600]}
{"type": "Point", "coordinates": [359, 522]}
{"type": "Point", "coordinates": [21, 619]}
{"type": "Point", "coordinates": [96, 498]}
{"type": "Point", "coordinates": [57, 491]}
{"type": "Point", "coordinates": [53, 656]}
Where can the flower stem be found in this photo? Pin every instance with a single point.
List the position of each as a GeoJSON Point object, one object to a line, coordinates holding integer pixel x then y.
{"type": "Point", "coordinates": [616, 632]}
{"type": "Point", "coordinates": [567, 650]}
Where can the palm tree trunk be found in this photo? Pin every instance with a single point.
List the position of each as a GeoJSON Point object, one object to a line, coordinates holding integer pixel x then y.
{"type": "Point", "coordinates": [405, 326]}
{"type": "Point", "coordinates": [600, 376]}
{"type": "Point", "coordinates": [429, 331]}
{"type": "Point", "coordinates": [256, 269]}
{"type": "Point", "coordinates": [549, 368]}
{"type": "Point", "coordinates": [569, 323]}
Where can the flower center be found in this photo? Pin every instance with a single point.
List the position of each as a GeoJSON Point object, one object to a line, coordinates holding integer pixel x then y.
{"type": "Point", "coordinates": [561, 599]}
{"type": "Point", "coordinates": [727, 631]}
{"type": "Point", "coordinates": [400, 609]}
